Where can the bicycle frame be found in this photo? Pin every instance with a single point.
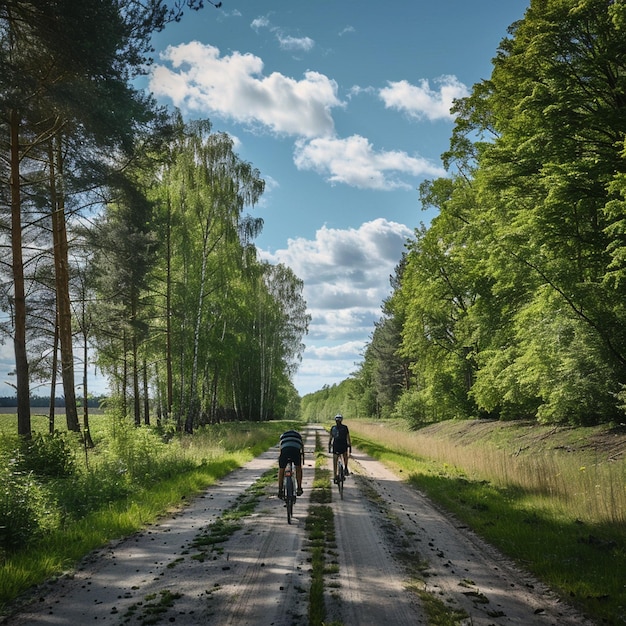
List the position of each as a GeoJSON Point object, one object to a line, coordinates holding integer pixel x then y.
{"type": "Point", "coordinates": [289, 489]}
{"type": "Point", "coordinates": [341, 474]}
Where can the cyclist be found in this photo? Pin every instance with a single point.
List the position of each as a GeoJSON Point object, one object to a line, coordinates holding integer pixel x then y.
{"type": "Point", "coordinates": [291, 448]}
{"type": "Point", "coordinates": [340, 443]}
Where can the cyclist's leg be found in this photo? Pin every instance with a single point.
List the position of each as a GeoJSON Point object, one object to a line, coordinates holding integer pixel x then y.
{"type": "Point", "coordinates": [282, 462]}
{"type": "Point", "coordinates": [281, 478]}
{"type": "Point", "coordinates": [299, 479]}
{"type": "Point", "coordinates": [345, 463]}
{"type": "Point", "coordinates": [298, 463]}
{"type": "Point", "coordinates": [335, 459]}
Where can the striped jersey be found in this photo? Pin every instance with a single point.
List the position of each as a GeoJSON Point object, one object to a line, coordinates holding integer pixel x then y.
{"type": "Point", "coordinates": [291, 439]}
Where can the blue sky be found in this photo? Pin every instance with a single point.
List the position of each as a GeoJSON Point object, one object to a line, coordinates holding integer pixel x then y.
{"type": "Point", "coordinates": [343, 106]}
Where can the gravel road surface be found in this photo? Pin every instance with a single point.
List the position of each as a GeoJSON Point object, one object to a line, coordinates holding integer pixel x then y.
{"type": "Point", "coordinates": [261, 574]}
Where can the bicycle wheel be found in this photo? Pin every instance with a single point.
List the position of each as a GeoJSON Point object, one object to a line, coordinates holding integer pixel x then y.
{"type": "Point", "coordinates": [340, 478]}
{"type": "Point", "coordinates": [289, 497]}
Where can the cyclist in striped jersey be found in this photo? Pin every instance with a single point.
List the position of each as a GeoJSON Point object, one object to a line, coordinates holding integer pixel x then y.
{"type": "Point", "coordinates": [291, 447]}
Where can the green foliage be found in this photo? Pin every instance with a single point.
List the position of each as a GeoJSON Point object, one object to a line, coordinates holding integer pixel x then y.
{"type": "Point", "coordinates": [323, 405]}
{"type": "Point", "coordinates": [49, 456]}
{"type": "Point", "coordinates": [23, 508]}
{"type": "Point", "coordinates": [45, 524]}
{"type": "Point", "coordinates": [239, 321]}
{"type": "Point", "coordinates": [510, 303]}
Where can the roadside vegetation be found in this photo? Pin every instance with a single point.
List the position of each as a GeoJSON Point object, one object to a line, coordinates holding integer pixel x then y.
{"type": "Point", "coordinates": [60, 500]}
{"type": "Point", "coordinates": [320, 529]}
{"type": "Point", "coordinates": [545, 496]}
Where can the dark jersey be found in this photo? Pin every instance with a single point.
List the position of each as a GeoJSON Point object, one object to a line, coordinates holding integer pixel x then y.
{"type": "Point", "coordinates": [339, 434]}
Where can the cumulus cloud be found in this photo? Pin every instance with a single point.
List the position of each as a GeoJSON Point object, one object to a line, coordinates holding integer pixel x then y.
{"type": "Point", "coordinates": [346, 277]}
{"type": "Point", "coordinates": [420, 101]}
{"type": "Point", "coordinates": [7, 367]}
{"type": "Point", "coordinates": [348, 350]}
{"type": "Point", "coordinates": [196, 77]}
{"type": "Point", "coordinates": [353, 161]}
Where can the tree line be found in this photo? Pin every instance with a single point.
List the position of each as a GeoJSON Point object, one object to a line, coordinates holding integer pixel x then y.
{"type": "Point", "coordinates": [511, 303]}
{"type": "Point", "coordinates": [125, 231]}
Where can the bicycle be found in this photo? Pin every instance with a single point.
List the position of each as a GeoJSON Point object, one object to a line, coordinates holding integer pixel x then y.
{"type": "Point", "coordinates": [289, 490]}
{"type": "Point", "coordinates": [341, 475]}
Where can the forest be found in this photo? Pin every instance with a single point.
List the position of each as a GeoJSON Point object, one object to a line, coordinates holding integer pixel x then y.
{"type": "Point", "coordinates": [127, 237]}
{"type": "Point", "coordinates": [510, 304]}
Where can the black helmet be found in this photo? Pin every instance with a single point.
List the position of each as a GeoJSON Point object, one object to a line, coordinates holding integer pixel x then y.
{"type": "Point", "coordinates": [338, 417]}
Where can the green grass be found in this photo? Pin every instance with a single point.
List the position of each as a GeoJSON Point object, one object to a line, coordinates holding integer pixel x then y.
{"type": "Point", "coordinates": [582, 558]}
{"type": "Point", "coordinates": [133, 477]}
{"type": "Point", "coordinates": [320, 529]}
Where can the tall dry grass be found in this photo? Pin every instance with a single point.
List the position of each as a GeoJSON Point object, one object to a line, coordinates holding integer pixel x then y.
{"type": "Point", "coordinates": [564, 483]}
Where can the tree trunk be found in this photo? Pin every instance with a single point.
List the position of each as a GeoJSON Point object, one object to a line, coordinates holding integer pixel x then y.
{"type": "Point", "coordinates": [53, 377]}
{"type": "Point", "coordinates": [21, 359]}
{"type": "Point", "coordinates": [136, 396]}
{"type": "Point", "coordinates": [86, 431]}
{"type": "Point", "coordinates": [168, 315]}
{"type": "Point", "coordinates": [146, 397]}
{"type": "Point", "coordinates": [62, 282]}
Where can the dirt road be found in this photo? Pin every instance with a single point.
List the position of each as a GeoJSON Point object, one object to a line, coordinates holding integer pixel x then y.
{"type": "Point", "coordinates": [260, 575]}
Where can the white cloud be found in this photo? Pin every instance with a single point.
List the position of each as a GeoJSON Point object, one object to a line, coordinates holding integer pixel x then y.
{"type": "Point", "coordinates": [7, 366]}
{"type": "Point", "coordinates": [196, 77]}
{"type": "Point", "coordinates": [295, 43]}
{"type": "Point", "coordinates": [353, 161]}
{"type": "Point", "coordinates": [420, 101]}
{"type": "Point", "coordinates": [260, 22]}
{"type": "Point", "coordinates": [350, 350]}
{"type": "Point", "coordinates": [347, 30]}
{"type": "Point", "coordinates": [234, 86]}
{"type": "Point", "coordinates": [286, 42]}
{"type": "Point", "coordinates": [346, 278]}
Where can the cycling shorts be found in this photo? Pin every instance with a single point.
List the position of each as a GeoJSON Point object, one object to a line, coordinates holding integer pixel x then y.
{"type": "Point", "coordinates": [290, 453]}
{"type": "Point", "coordinates": [340, 446]}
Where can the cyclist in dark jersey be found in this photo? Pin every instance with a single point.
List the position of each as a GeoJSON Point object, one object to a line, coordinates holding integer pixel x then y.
{"type": "Point", "coordinates": [339, 443]}
{"type": "Point", "coordinates": [291, 447]}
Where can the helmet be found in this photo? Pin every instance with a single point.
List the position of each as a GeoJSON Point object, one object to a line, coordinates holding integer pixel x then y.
{"type": "Point", "coordinates": [338, 417]}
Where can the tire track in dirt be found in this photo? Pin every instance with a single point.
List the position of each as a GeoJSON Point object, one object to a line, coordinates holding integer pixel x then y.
{"type": "Point", "coordinates": [256, 579]}
{"type": "Point", "coordinates": [371, 589]}
{"type": "Point", "coordinates": [463, 570]}
{"type": "Point", "coordinates": [261, 575]}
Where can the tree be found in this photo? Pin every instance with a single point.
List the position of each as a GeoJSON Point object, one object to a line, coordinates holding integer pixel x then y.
{"type": "Point", "coordinates": [539, 144]}
{"type": "Point", "coordinates": [61, 62]}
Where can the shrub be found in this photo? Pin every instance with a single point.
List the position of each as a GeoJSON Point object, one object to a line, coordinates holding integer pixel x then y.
{"type": "Point", "coordinates": [49, 456]}
{"type": "Point", "coordinates": [22, 506]}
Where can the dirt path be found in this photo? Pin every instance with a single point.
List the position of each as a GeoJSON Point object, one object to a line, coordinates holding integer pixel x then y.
{"type": "Point", "coordinates": [463, 571]}
{"type": "Point", "coordinates": [261, 574]}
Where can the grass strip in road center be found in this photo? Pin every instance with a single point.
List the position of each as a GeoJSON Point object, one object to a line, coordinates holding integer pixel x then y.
{"type": "Point", "coordinates": [320, 529]}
